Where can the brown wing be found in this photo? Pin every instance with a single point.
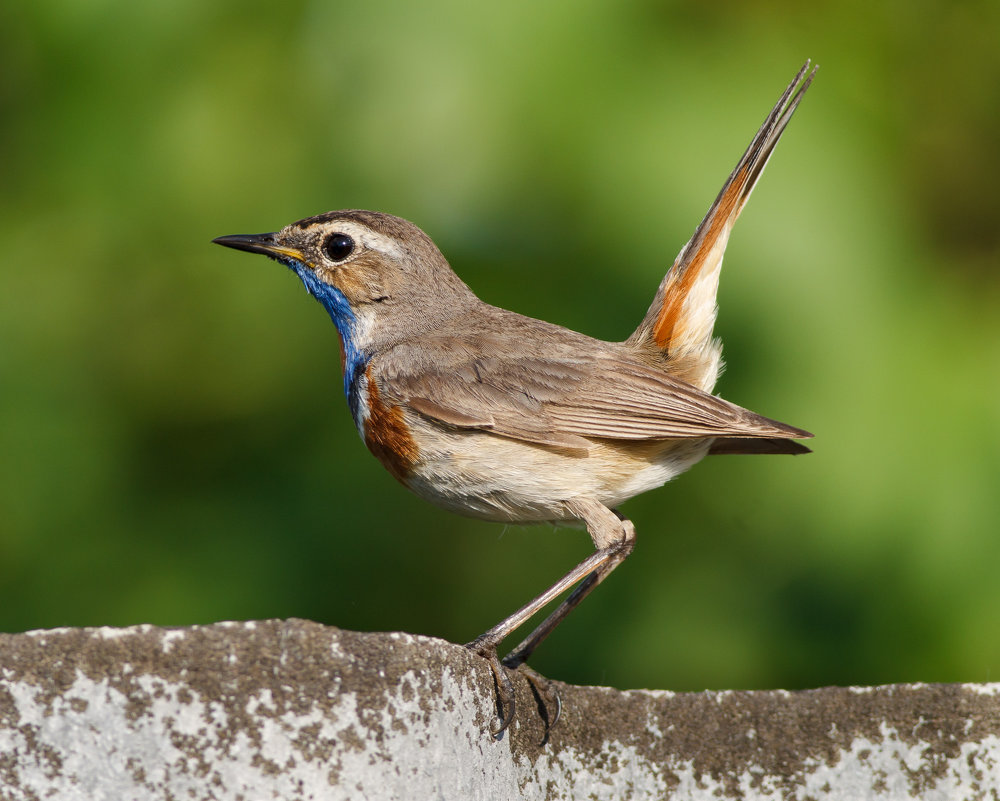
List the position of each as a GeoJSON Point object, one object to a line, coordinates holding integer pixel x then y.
{"type": "Point", "coordinates": [557, 388]}
{"type": "Point", "coordinates": [487, 381]}
{"type": "Point", "coordinates": [623, 399]}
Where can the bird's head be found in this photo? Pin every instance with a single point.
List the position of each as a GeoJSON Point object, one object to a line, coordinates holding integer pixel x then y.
{"type": "Point", "coordinates": [380, 277]}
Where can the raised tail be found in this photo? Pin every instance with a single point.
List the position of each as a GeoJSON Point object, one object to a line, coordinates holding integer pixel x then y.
{"type": "Point", "coordinates": [680, 320]}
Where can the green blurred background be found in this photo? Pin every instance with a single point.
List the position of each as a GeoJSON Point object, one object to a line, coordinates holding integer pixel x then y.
{"type": "Point", "coordinates": [175, 447]}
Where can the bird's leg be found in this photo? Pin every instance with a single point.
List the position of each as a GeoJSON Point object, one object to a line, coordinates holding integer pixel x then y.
{"type": "Point", "coordinates": [492, 638]}
{"type": "Point", "coordinates": [486, 644]}
{"type": "Point", "coordinates": [622, 541]}
{"type": "Point", "coordinates": [614, 538]}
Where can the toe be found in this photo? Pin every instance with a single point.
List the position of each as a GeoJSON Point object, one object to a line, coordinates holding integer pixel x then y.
{"type": "Point", "coordinates": [504, 688]}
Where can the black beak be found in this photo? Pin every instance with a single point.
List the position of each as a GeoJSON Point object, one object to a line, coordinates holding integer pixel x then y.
{"type": "Point", "coordinates": [252, 243]}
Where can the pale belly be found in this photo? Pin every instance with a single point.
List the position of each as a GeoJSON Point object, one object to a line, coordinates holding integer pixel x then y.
{"type": "Point", "coordinates": [496, 478]}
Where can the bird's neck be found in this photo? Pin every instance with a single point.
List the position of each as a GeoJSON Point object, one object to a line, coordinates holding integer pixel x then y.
{"type": "Point", "coordinates": [354, 327]}
{"type": "Point", "coordinates": [366, 329]}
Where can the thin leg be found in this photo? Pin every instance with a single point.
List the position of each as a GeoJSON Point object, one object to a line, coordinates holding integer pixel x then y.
{"type": "Point", "coordinates": [492, 638]}
{"type": "Point", "coordinates": [486, 644]}
{"type": "Point", "coordinates": [614, 538]}
{"type": "Point", "coordinates": [520, 654]}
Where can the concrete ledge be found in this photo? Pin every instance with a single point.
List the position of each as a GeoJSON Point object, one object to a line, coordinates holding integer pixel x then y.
{"type": "Point", "coordinates": [295, 710]}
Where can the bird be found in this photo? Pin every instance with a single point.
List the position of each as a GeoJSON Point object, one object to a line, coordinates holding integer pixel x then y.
{"type": "Point", "coordinates": [499, 416]}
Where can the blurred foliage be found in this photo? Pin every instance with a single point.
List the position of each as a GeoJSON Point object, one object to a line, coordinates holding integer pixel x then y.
{"type": "Point", "coordinates": [174, 444]}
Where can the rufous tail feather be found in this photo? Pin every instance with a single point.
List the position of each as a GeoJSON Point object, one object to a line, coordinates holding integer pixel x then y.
{"type": "Point", "coordinates": [678, 326]}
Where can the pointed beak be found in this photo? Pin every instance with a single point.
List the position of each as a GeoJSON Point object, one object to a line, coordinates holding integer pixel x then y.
{"type": "Point", "coordinates": [259, 243]}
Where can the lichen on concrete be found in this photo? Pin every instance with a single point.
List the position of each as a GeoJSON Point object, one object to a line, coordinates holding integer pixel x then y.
{"type": "Point", "coordinates": [295, 710]}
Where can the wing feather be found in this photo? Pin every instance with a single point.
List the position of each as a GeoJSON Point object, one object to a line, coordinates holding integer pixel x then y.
{"type": "Point", "coordinates": [584, 390]}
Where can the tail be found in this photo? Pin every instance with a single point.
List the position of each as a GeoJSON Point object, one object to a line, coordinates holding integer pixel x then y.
{"type": "Point", "coordinates": [680, 320]}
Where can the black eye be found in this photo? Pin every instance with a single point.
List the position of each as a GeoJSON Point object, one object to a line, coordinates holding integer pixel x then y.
{"type": "Point", "coordinates": [338, 247]}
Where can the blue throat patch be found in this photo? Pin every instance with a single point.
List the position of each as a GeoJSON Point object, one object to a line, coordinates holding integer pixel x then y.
{"type": "Point", "coordinates": [336, 305]}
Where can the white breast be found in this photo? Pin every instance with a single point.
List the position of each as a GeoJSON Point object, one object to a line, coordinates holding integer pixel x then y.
{"type": "Point", "coordinates": [492, 477]}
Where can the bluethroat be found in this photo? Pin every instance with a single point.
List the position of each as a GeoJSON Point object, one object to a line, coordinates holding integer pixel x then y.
{"type": "Point", "coordinates": [503, 417]}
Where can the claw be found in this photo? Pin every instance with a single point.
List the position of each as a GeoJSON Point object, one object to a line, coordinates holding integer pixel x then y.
{"type": "Point", "coordinates": [504, 687]}
{"type": "Point", "coordinates": [545, 694]}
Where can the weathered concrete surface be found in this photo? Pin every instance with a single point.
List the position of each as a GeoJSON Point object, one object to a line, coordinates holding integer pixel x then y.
{"type": "Point", "coordinates": [295, 710]}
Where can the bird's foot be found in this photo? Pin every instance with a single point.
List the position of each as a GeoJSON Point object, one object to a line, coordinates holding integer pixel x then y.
{"type": "Point", "coordinates": [546, 695]}
{"type": "Point", "coordinates": [504, 686]}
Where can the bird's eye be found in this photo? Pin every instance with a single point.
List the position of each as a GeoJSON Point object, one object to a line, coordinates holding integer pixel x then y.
{"type": "Point", "coordinates": [338, 247]}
